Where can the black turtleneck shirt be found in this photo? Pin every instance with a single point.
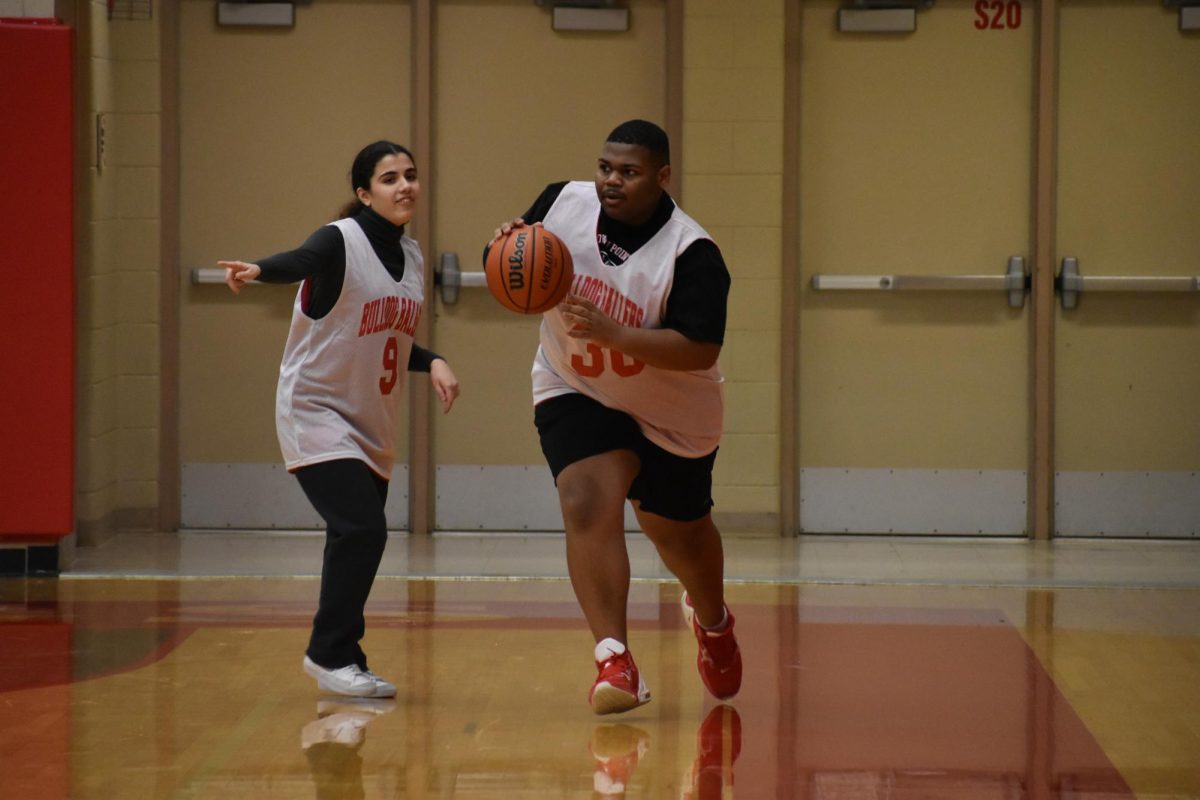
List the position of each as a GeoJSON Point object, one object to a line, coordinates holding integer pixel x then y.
{"type": "Point", "coordinates": [696, 305]}
{"type": "Point", "coordinates": [322, 261]}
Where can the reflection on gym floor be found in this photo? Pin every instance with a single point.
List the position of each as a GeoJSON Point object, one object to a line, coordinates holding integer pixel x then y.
{"type": "Point", "coordinates": [119, 688]}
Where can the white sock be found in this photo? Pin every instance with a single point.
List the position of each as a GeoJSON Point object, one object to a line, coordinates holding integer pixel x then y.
{"type": "Point", "coordinates": [607, 648]}
{"type": "Point", "coordinates": [720, 625]}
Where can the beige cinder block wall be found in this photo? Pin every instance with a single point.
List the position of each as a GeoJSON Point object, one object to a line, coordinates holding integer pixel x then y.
{"type": "Point", "coordinates": [732, 157]}
{"type": "Point", "coordinates": [117, 260]}
{"type": "Point", "coordinates": [733, 179]}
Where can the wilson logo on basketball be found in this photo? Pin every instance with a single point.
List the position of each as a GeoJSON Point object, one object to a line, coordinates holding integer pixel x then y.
{"type": "Point", "coordinates": [516, 264]}
{"type": "Point", "coordinates": [528, 269]}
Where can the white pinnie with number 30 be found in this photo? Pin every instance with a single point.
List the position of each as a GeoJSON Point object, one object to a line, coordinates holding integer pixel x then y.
{"type": "Point", "coordinates": [680, 411]}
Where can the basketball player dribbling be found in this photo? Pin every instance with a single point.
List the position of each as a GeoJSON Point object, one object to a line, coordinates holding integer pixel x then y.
{"type": "Point", "coordinates": [628, 402]}
{"type": "Point", "coordinates": [340, 386]}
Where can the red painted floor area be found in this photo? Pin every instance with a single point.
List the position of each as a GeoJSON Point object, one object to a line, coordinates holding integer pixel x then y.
{"type": "Point", "coordinates": [859, 708]}
{"type": "Point", "coordinates": [861, 703]}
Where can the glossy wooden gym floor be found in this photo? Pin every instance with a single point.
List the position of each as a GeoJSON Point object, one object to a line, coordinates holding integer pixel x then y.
{"type": "Point", "coordinates": [169, 667]}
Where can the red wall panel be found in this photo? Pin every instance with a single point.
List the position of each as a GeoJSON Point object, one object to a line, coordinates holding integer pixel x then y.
{"type": "Point", "coordinates": [37, 281]}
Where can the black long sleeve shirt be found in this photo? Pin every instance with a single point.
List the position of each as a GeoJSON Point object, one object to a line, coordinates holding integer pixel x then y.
{"type": "Point", "coordinates": [321, 260]}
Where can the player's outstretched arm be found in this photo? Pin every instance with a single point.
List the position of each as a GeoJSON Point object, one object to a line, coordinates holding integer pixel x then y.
{"type": "Point", "coordinates": [239, 273]}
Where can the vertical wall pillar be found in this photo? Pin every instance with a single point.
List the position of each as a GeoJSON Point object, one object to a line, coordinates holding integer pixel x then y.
{"type": "Point", "coordinates": [421, 510]}
{"type": "Point", "coordinates": [1041, 468]}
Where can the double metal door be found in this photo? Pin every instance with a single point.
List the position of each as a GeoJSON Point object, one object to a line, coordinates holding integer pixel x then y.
{"type": "Point", "coordinates": [915, 410]}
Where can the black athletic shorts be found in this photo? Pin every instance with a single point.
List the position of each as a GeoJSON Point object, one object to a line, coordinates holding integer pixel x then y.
{"type": "Point", "coordinates": [573, 427]}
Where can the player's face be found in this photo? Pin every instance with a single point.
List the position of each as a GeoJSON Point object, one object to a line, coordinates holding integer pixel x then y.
{"type": "Point", "coordinates": [394, 189]}
{"type": "Point", "coordinates": [629, 182]}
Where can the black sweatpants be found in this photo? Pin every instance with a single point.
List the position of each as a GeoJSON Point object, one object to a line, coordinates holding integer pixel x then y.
{"type": "Point", "coordinates": [349, 496]}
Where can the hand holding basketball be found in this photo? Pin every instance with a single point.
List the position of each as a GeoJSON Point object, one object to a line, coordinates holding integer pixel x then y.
{"type": "Point", "coordinates": [506, 228]}
{"type": "Point", "coordinates": [528, 268]}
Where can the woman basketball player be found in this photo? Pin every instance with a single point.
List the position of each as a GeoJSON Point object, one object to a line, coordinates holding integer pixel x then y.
{"type": "Point", "coordinates": [340, 384]}
{"type": "Point", "coordinates": [628, 402]}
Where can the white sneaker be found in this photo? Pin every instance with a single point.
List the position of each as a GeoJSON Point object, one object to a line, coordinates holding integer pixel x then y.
{"type": "Point", "coordinates": [344, 720]}
{"type": "Point", "coordinates": [344, 729]}
{"type": "Point", "coordinates": [351, 680]}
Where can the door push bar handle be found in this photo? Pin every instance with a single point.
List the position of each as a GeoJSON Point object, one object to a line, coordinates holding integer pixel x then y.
{"type": "Point", "coordinates": [1071, 284]}
{"type": "Point", "coordinates": [213, 275]}
{"type": "Point", "coordinates": [1014, 281]}
{"type": "Point", "coordinates": [449, 278]}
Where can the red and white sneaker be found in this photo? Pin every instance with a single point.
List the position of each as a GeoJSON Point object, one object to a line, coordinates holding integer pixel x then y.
{"type": "Point", "coordinates": [719, 661]}
{"type": "Point", "coordinates": [616, 750]}
{"type": "Point", "coordinates": [619, 686]}
{"type": "Point", "coordinates": [718, 745]}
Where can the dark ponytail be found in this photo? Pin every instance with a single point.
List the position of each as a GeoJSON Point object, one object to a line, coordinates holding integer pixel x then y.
{"type": "Point", "coordinates": [364, 167]}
